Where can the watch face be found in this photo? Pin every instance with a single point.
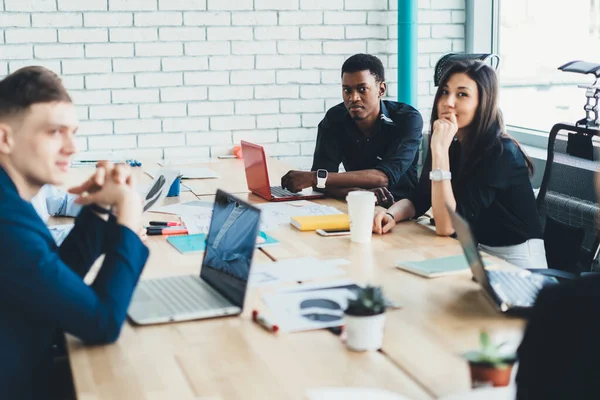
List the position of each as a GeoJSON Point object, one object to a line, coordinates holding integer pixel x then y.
{"type": "Point", "coordinates": [436, 174]}
{"type": "Point", "coordinates": [322, 173]}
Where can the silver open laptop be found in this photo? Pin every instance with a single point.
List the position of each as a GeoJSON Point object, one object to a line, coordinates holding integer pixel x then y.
{"type": "Point", "coordinates": [220, 288]}
{"type": "Point", "coordinates": [511, 291]}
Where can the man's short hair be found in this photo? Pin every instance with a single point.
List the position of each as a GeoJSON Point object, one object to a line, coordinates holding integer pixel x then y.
{"type": "Point", "coordinates": [28, 86]}
{"type": "Point", "coordinates": [365, 62]}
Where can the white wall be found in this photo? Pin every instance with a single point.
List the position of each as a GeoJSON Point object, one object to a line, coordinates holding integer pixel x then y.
{"type": "Point", "coordinates": [190, 78]}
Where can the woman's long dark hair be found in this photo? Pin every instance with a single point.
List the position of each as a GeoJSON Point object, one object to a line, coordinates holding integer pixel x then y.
{"type": "Point", "coordinates": [487, 128]}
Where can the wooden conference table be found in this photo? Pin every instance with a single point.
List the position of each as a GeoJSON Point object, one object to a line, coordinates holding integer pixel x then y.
{"type": "Point", "coordinates": [233, 358]}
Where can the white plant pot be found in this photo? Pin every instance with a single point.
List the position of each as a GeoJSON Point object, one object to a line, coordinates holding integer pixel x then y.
{"type": "Point", "coordinates": [364, 333]}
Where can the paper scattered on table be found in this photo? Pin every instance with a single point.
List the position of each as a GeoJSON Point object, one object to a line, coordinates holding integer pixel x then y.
{"type": "Point", "coordinates": [275, 214]}
{"type": "Point", "coordinates": [192, 173]}
{"type": "Point", "coordinates": [196, 215]}
{"type": "Point", "coordinates": [197, 223]}
{"type": "Point", "coordinates": [188, 207]}
{"type": "Point", "coordinates": [492, 393]}
{"type": "Point", "coordinates": [352, 393]}
{"type": "Point", "coordinates": [336, 284]}
{"type": "Point", "coordinates": [60, 232]}
{"type": "Point", "coordinates": [295, 270]}
{"type": "Point", "coordinates": [143, 188]}
{"type": "Point", "coordinates": [302, 311]}
{"type": "Point", "coordinates": [159, 188]}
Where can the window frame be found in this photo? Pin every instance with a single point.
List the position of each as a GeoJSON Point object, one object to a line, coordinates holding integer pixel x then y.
{"type": "Point", "coordinates": [482, 36]}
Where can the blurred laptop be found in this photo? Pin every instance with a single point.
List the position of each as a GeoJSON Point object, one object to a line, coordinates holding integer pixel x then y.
{"type": "Point", "coordinates": [220, 288]}
{"type": "Point", "coordinates": [257, 177]}
{"type": "Point", "coordinates": [511, 291]}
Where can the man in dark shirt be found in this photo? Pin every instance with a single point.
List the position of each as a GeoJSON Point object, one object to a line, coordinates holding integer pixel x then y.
{"type": "Point", "coordinates": [376, 140]}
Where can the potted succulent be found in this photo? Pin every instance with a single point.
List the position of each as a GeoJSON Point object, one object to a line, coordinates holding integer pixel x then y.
{"type": "Point", "coordinates": [489, 366]}
{"type": "Point", "coordinates": [364, 319]}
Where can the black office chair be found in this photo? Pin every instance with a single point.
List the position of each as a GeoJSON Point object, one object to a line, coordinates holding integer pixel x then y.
{"type": "Point", "coordinates": [567, 200]}
{"type": "Point", "coordinates": [443, 63]}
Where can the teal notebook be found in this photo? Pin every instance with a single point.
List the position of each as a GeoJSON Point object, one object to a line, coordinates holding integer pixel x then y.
{"type": "Point", "coordinates": [436, 267]}
{"type": "Point", "coordinates": [197, 243]}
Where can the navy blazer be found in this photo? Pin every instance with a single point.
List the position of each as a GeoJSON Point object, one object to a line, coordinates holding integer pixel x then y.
{"type": "Point", "coordinates": [42, 290]}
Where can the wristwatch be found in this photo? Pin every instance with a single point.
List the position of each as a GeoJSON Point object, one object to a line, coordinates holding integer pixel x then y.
{"type": "Point", "coordinates": [437, 175]}
{"type": "Point", "coordinates": [321, 178]}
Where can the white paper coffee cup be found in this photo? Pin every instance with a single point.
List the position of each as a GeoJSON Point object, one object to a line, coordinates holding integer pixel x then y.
{"type": "Point", "coordinates": [361, 209]}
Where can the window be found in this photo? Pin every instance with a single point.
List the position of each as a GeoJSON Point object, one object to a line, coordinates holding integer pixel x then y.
{"type": "Point", "coordinates": [534, 38]}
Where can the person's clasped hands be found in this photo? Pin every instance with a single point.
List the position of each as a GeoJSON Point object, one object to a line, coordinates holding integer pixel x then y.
{"type": "Point", "coordinates": [112, 186]}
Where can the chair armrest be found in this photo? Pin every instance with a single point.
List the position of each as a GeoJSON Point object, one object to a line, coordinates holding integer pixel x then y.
{"type": "Point", "coordinates": [589, 274]}
{"type": "Point", "coordinates": [555, 273]}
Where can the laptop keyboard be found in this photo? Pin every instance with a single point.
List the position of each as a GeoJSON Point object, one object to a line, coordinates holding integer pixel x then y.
{"type": "Point", "coordinates": [180, 294]}
{"type": "Point", "coordinates": [519, 289]}
{"type": "Point", "coordinates": [278, 191]}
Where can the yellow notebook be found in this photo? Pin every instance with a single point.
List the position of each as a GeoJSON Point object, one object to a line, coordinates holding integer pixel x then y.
{"type": "Point", "coordinates": [314, 222]}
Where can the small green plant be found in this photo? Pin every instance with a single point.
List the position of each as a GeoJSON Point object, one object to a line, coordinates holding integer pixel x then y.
{"type": "Point", "coordinates": [369, 301]}
{"type": "Point", "coordinates": [490, 354]}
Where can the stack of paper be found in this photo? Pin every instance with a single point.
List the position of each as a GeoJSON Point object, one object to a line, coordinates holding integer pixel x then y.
{"type": "Point", "coordinates": [436, 267]}
{"type": "Point", "coordinates": [295, 270]}
{"type": "Point", "coordinates": [307, 310]}
{"type": "Point", "coordinates": [276, 214]}
{"type": "Point", "coordinates": [352, 393]}
{"type": "Point", "coordinates": [196, 214]}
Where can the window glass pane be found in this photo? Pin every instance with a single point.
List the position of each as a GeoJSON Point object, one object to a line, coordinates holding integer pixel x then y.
{"type": "Point", "coordinates": [535, 38]}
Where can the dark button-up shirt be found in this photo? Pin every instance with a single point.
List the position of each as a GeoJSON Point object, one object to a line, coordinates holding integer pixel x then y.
{"type": "Point", "coordinates": [497, 199]}
{"type": "Point", "coordinates": [392, 149]}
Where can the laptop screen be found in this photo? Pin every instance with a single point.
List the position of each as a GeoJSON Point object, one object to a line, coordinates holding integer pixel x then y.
{"type": "Point", "coordinates": [255, 163]}
{"type": "Point", "coordinates": [230, 245]}
{"type": "Point", "coordinates": [469, 246]}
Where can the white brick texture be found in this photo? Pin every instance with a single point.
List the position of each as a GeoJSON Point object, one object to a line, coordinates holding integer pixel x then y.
{"type": "Point", "coordinates": [56, 20]}
{"type": "Point", "coordinates": [107, 19]}
{"type": "Point", "coordinates": [19, 35]}
{"type": "Point", "coordinates": [190, 78]}
{"type": "Point", "coordinates": [78, 5]}
{"type": "Point", "coordinates": [109, 81]}
{"type": "Point", "coordinates": [182, 4]}
{"type": "Point", "coordinates": [135, 96]}
{"type": "Point", "coordinates": [207, 18]}
{"type": "Point", "coordinates": [168, 18]}
{"type": "Point", "coordinates": [211, 108]}
{"type": "Point", "coordinates": [58, 51]}
{"type": "Point", "coordinates": [30, 5]}
{"type": "Point", "coordinates": [83, 35]}
{"type": "Point", "coordinates": [194, 124]}
{"type": "Point", "coordinates": [254, 18]}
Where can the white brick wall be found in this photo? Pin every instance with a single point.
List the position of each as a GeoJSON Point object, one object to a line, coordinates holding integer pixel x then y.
{"type": "Point", "coordinates": [190, 78]}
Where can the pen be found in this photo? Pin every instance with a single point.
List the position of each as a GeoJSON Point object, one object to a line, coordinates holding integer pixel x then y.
{"type": "Point", "coordinates": [262, 321]}
{"type": "Point", "coordinates": [131, 163]}
{"type": "Point", "coordinates": [152, 231]}
{"type": "Point", "coordinates": [165, 223]}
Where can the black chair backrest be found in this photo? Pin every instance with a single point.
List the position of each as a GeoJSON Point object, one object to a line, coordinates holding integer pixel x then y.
{"type": "Point", "coordinates": [567, 201]}
{"type": "Point", "coordinates": [443, 63]}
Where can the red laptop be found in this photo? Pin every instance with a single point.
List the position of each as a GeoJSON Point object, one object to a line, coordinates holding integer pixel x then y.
{"type": "Point", "coordinates": [257, 177]}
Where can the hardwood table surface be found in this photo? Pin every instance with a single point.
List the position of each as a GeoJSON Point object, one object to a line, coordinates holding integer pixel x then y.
{"type": "Point", "coordinates": [222, 358]}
